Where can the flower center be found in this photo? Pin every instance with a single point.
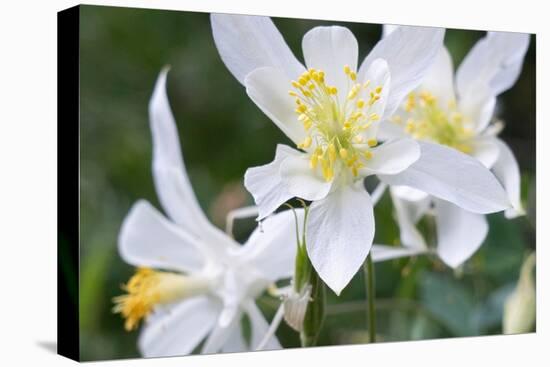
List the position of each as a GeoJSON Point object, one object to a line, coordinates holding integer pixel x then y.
{"type": "Point", "coordinates": [148, 288]}
{"type": "Point", "coordinates": [337, 128]}
{"type": "Point", "coordinates": [427, 120]}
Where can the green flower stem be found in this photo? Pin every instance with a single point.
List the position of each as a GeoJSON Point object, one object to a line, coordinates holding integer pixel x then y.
{"type": "Point", "coordinates": [315, 313]}
{"type": "Point", "coordinates": [368, 267]}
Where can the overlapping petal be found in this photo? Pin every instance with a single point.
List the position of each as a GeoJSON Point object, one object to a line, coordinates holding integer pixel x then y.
{"type": "Point", "coordinates": [506, 169]}
{"type": "Point", "coordinates": [268, 88]}
{"type": "Point", "coordinates": [330, 49]}
{"type": "Point", "coordinates": [147, 239]}
{"type": "Point", "coordinates": [265, 185]}
{"type": "Point", "coordinates": [179, 331]}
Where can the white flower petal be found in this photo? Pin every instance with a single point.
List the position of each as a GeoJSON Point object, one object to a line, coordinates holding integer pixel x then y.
{"type": "Point", "coordinates": [409, 52]}
{"type": "Point", "coordinates": [408, 193]}
{"type": "Point", "coordinates": [478, 107]}
{"type": "Point", "coordinates": [506, 169]}
{"type": "Point", "coordinates": [330, 49]}
{"type": "Point", "coordinates": [459, 232]}
{"type": "Point", "coordinates": [221, 333]}
{"type": "Point", "coordinates": [494, 62]}
{"type": "Point", "coordinates": [440, 79]}
{"type": "Point", "coordinates": [453, 176]}
{"type": "Point", "coordinates": [486, 150]}
{"type": "Point", "coordinates": [272, 246]}
{"type": "Point", "coordinates": [392, 157]}
{"type": "Point", "coordinates": [381, 253]}
{"type": "Point", "coordinates": [147, 239]}
{"type": "Point", "coordinates": [180, 330]}
{"type": "Point", "coordinates": [265, 185]}
{"type": "Point", "coordinates": [408, 213]}
{"type": "Point", "coordinates": [259, 327]}
{"type": "Point", "coordinates": [340, 229]}
{"type": "Point", "coordinates": [302, 181]}
{"type": "Point", "coordinates": [378, 75]}
{"type": "Point", "coordinates": [235, 342]}
{"type": "Point", "coordinates": [171, 182]}
{"type": "Point", "coordinates": [268, 89]}
{"type": "Point", "coordinates": [388, 28]}
{"type": "Point", "coordinates": [246, 43]}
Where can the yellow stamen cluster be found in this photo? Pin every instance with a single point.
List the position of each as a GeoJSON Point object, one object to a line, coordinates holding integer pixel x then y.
{"type": "Point", "coordinates": [336, 127]}
{"type": "Point", "coordinates": [427, 120]}
{"type": "Point", "coordinates": [148, 288]}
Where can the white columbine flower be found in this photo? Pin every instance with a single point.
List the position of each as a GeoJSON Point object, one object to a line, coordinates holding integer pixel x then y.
{"type": "Point", "coordinates": [208, 281]}
{"type": "Point", "coordinates": [332, 111]}
{"type": "Point", "coordinates": [457, 112]}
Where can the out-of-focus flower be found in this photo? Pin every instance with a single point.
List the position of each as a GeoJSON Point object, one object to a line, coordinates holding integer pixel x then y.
{"type": "Point", "coordinates": [457, 112]}
{"type": "Point", "coordinates": [332, 111]}
{"type": "Point", "coordinates": [208, 281]}
{"type": "Point", "coordinates": [520, 307]}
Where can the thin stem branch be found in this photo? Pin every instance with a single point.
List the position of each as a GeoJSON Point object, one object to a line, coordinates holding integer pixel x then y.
{"type": "Point", "coordinates": [273, 327]}
{"type": "Point", "coordinates": [368, 267]}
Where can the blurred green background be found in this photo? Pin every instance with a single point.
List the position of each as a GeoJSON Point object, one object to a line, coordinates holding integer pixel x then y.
{"type": "Point", "coordinates": [223, 133]}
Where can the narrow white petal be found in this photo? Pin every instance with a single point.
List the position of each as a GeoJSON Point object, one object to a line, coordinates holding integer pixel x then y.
{"type": "Point", "coordinates": [479, 107]}
{"type": "Point", "coordinates": [330, 49]}
{"type": "Point", "coordinates": [409, 193]}
{"type": "Point", "coordinates": [388, 28]}
{"type": "Point", "coordinates": [148, 239]}
{"type": "Point", "coordinates": [486, 150]}
{"type": "Point", "coordinates": [453, 176]}
{"type": "Point", "coordinates": [235, 342]}
{"type": "Point", "coordinates": [268, 88]}
{"type": "Point", "coordinates": [259, 327]}
{"type": "Point", "coordinates": [495, 61]}
{"type": "Point", "coordinates": [459, 232]}
{"type": "Point", "coordinates": [409, 52]}
{"type": "Point", "coordinates": [180, 330]}
{"type": "Point", "coordinates": [265, 185]}
{"type": "Point", "coordinates": [506, 169]}
{"type": "Point", "coordinates": [378, 75]}
{"type": "Point", "coordinates": [408, 213]}
{"type": "Point", "coordinates": [339, 234]}
{"type": "Point", "coordinates": [392, 157]}
{"type": "Point", "coordinates": [383, 252]}
{"type": "Point", "coordinates": [302, 181]}
{"type": "Point", "coordinates": [272, 245]}
{"type": "Point", "coordinates": [440, 79]}
{"type": "Point", "coordinates": [171, 182]}
{"type": "Point", "coordinates": [246, 43]}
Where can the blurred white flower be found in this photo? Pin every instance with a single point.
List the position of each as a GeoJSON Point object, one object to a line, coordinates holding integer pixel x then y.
{"type": "Point", "coordinates": [208, 281]}
{"type": "Point", "coordinates": [457, 112]}
{"type": "Point", "coordinates": [520, 307]}
{"type": "Point", "coordinates": [332, 111]}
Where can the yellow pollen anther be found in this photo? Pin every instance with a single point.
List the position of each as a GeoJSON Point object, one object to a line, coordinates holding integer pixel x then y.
{"type": "Point", "coordinates": [368, 154]}
{"type": "Point", "coordinates": [313, 161]}
{"type": "Point", "coordinates": [301, 108]}
{"type": "Point", "coordinates": [353, 75]}
{"type": "Point", "coordinates": [343, 153]}
{"type": "Point", "coordinates": [333, 90]}
{"type": "Point", "coordinates": [149, 288]}
{"type": "Point", "coordinates": [331, 152]}
{"type": "Point", "coordinates": [293, 93]}
{"type": "Point", "coordinates": [378, 89]}
{"type": "Point", "coordinates": [302, 80]}
{"type": "Point", "coordinates": [372, 142]}
{"type": "Point", "coordinates": [306, 143]}
{"type": "Point", "coordinates": [347, 69]}
{"type": "Point", "coordinates": [360, 103]}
